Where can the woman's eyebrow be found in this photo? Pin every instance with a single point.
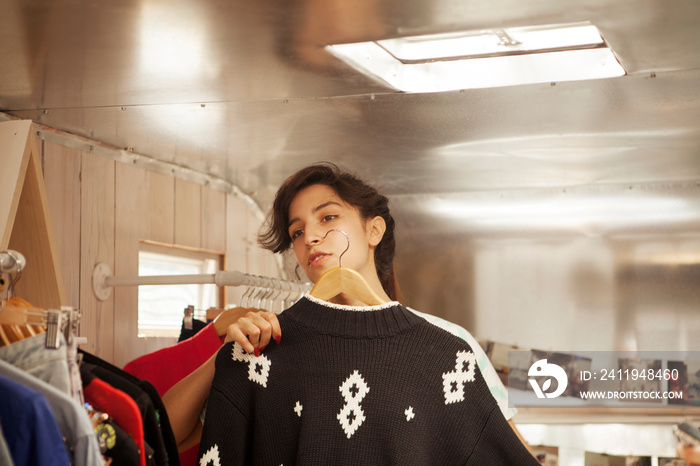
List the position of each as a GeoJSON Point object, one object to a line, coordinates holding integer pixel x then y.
{"type": "Point", "coordinates": [314, 210]}
{"type": "Point", "coordinates": [325, 204]}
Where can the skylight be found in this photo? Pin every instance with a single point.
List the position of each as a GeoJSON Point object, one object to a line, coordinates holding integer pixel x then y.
{"type": "Point", "coordinates": [485, 58]}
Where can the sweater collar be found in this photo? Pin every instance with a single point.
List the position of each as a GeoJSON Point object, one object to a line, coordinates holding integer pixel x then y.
{"type": "Point", "coordinates": [345, 307]}
{"type": "Point", "coordinates": [337, 319]}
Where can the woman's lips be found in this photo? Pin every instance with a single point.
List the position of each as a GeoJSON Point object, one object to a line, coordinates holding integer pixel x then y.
{"type": "Point", "coordinates": [317, 258]}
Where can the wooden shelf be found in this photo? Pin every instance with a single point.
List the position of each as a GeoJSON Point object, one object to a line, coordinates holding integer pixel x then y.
{"type": "Point", "coordinates": [25, 223]}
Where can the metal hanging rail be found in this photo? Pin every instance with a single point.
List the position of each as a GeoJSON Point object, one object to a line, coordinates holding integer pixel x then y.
{"type": "Point", "coordinates": [103, 281]}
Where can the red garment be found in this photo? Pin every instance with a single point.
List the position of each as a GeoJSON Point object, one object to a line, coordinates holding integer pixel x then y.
{"type": "Point", "coordinates": [121, 407]}
{"type": "Point", "coordinates": [167, 366]}
{"type": "Point", "coordinates": [190, 457]}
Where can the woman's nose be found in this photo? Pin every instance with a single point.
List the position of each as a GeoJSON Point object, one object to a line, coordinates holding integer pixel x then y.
{"type": "Point", "coordinates": [314, 235]}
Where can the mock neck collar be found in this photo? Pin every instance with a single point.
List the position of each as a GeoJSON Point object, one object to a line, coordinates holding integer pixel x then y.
{"type": "Point", "coordinates": [352, 321]}
{"type": "Point", "coordinates": [345, 307]}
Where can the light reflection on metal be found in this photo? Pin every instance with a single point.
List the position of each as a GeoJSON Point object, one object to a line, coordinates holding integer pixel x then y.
{"type": "Point", "coordinates": [592, 210]}
{"type": "Point", "coordinates": [173, 45]}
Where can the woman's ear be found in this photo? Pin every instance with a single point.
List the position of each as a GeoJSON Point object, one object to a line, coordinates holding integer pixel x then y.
{"type": "Point", "coordinates": [376, 228]}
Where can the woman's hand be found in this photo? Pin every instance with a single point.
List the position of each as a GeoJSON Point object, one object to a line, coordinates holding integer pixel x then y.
{"type": "Point", "coordinates": [691, 454]}
{"type": "Point", "coordinates": [254, 329]}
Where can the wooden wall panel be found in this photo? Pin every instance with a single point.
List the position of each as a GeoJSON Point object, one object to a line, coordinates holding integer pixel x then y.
{"type": "Point", "coordinates": [188, 214]}
{"type": "Point", "coordinates": [131, 220]}
{"type": "Point", "coordinates": [161, 208]}
{"type": "Point", "coordinates": [236, 244]}
{"type": "Point", "coordinates": [102, 209]}
{"type": "Point", "coordinates": [213, 213]}
{"type": "Point", "coordinates": [96, 245]}
{"type": "Point", "coordinates": [242, 250]}
{"type": "Point", "coordinates": [62, 179]}
{"type": "Point", "coordinates": [260, 261]}
{"type": "Point", "coordinates": [140, 196]}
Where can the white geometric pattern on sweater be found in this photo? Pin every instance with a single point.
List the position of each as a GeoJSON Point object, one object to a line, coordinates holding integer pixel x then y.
{"type": "Point", "coordinates": [258, 366]}
{"type": "Point", "coordinates": [211, 456]}
{"type": "Point", "coordinates": [353, 390]}
{"type": "Point", "coordinates": [453, 381]}
{"type": "Point", "coordinates": [409, 413]}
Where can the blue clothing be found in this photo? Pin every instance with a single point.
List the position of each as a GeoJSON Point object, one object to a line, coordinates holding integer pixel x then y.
{"type": "Point", "coordinates": [71, 418]}
{"type": "Point", "coordinates": [29, 427]}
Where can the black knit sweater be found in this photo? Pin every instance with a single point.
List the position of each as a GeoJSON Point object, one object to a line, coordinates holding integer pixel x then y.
{"type": "Point", "coordinates": [377, 386]}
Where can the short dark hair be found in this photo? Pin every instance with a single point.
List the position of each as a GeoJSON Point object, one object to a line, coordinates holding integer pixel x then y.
{"type": "Point", "coordinates": [352, 190]}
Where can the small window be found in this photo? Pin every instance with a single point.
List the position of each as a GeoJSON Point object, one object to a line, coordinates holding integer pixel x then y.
{"type": "Point", "coordinates": [485, 58]}
{"type": "Point", "coordinates": [161, 307]}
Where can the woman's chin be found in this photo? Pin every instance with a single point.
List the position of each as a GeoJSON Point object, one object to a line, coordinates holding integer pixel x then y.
{"type": "Point", "coordinates": [314, 273]}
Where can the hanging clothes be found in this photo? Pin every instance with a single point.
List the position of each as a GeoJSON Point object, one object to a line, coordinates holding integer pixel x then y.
{"type": "Point", "coordinates": [5, 457]}
{"type": "Point", "coordinates": [47, 364]}
{"type": "Point", "coordinates": [71, 418]}
{"type": "Point", "coordinates": [157, 431]}
{"type": "Point", "coordinates": [30, 429]}
{"type": "Point", "coordinates": [167, 366]}
{"type": "Point", "coordinates": [185, 333]}
{"type": "Point", "coordinates": [120, 406]}
{"type": "Point", "coordinates": [117, 446]}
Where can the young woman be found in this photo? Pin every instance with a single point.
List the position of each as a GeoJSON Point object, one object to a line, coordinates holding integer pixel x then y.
{"type": "Point", "coordinates": [344, 382]}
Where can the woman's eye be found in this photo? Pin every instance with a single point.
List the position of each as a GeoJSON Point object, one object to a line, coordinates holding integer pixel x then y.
{"type": "Point", "coordinates": [328, 218]}
{"type": "Point", "coordinates": [296, 234]}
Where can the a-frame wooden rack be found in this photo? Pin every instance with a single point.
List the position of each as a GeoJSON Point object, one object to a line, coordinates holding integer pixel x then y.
{"type": "Point", "coordinates": [25, 223]}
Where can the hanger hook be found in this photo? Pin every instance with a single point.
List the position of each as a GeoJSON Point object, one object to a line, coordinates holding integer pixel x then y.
{"type": "Point", "coordinates": [340, 259]}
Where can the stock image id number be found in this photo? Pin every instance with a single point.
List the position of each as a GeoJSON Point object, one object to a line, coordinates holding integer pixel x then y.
{"type": "Point", "coordinates": [630, 374]}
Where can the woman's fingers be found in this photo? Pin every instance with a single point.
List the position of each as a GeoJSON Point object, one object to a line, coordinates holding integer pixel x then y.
{"type": "Point", "coordinates": [254, 330]}
{"type": "Point", "coordinates": [275, 324]}
{"type": "Point", "coordinates": [265, 331]}
{"type": "Point", "coordinates": [236, 333]}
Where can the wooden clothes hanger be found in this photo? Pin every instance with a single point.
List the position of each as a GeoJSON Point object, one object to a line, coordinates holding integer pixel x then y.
{"type": "Point", "coordinates": [344, 280]}
{"type": "Point", "coordinates": [228, 317]}
{"type": "Point", "coordinates": [17, 319]}
{"type": "Point", "coordinates": [17, 316]}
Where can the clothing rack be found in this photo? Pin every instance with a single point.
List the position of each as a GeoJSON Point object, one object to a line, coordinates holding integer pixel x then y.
{"type": "Point", "coordinates": [55, 321]}
{"type": "Point", "coordinates": [103, 281]}
{"type": "Point", "coordinates": [20, 313]}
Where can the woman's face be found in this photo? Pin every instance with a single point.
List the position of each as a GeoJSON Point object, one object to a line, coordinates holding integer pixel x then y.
{"type": "Point", "coordinates": [313, 212]}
